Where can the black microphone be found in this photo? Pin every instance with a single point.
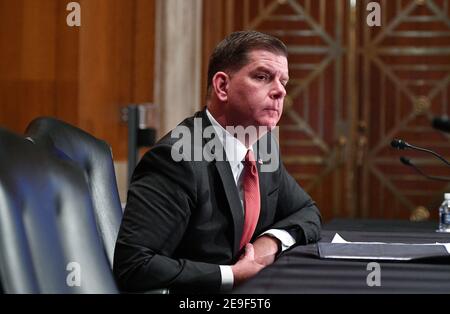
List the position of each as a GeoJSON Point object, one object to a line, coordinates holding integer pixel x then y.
{"type": "Point", "coordinates": [407, 162]}
{"type": "Point", "coordinates": [399, 144]}
{"type": "Point", "coordinates": [441, 123]}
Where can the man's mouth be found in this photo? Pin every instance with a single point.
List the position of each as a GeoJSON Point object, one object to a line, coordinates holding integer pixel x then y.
{"type": "Point", "coordinates": [271, 110]}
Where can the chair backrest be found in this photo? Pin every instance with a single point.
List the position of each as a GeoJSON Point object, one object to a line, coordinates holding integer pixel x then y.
{"type": "Point", "coordinates": [94, 156]}
{"type": "Point", "coordinates": [48, 237]}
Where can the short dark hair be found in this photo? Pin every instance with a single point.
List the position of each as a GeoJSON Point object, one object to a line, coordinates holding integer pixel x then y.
{"type": "Point", "coordinates": [231, 54]}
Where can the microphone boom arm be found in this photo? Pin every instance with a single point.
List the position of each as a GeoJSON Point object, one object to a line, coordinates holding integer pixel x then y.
{"type": "Point", "coordinates": [430, 152]}
{"type": "Point", "coordinates": [401, 145]}
{"type": "Point", "coordinates": [407, 162]}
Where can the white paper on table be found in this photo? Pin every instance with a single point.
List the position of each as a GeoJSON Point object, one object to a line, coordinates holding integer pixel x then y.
{"type": "Point", "coordinates": [338, 239]}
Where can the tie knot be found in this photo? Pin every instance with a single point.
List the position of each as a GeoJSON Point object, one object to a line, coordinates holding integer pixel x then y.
{"type": "Point", "coordinates": [249, 157]}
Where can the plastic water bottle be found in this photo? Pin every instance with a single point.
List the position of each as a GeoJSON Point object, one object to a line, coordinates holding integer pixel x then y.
{"type": "Point", "coordinates": [444, 214]}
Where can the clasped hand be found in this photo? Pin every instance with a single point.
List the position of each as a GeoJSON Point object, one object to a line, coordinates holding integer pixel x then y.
{"type": "Point", "coordinates": [255, 257]}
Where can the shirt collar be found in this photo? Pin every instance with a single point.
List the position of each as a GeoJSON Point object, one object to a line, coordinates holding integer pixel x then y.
{"type": "Point", "coordinates": [234, 149]}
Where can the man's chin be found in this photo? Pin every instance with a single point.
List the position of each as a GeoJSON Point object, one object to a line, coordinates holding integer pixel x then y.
{"type": "Point", "coordinates": [270, 124]}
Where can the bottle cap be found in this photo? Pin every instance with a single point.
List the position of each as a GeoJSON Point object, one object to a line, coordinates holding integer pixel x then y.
{"type": "Point", "coordinates": [447, 196]}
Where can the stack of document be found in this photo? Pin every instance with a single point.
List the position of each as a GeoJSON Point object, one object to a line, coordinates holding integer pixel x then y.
{"type": "Point", "coordinates": [342, 249]}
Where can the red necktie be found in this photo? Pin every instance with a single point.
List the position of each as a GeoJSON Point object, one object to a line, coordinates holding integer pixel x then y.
{"type": "Point", "coordinates": [252, 200]}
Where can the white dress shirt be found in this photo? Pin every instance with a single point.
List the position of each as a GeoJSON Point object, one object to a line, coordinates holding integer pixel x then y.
{"type": "Point", "coordinates": [236, 151]}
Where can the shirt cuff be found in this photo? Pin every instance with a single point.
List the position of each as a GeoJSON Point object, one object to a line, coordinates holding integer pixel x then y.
{"type": "Point", "coordinates": [285, 238]}
{"type": "Point", "coordinates": [227, 278]}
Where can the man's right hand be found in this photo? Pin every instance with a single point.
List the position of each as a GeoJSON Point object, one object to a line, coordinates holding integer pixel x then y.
{"type": "Point", "coordinates": [246, 267]}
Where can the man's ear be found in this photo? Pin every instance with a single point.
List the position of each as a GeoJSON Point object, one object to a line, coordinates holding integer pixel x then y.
{"type": "Point", "coordinates": [220, 83]}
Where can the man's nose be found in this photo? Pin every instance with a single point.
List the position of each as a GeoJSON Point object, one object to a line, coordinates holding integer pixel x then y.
{"type": "Point", "coordinates": [278, 90]}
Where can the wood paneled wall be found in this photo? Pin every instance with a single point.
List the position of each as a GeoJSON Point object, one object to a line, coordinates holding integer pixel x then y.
{"type": "Point", "coordinates": [82, 75]}
{"type": "Point", "coordinates": [216, 26]}
{"type": "Point", "coordinates": [354, 88]}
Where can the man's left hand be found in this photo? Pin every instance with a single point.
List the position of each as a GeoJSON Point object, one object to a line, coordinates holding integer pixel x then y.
{"type": "Point", "coordinates": [266, 248]}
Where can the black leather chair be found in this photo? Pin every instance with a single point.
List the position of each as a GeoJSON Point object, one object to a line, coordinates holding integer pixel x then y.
{"type": "Point", "coordinates": [48, 237]}
{"type": "Point", "coordinates": [94, 156]}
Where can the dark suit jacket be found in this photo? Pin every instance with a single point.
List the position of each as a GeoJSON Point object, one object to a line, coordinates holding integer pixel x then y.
{"type": "Point", "coordinates": [183, 219]}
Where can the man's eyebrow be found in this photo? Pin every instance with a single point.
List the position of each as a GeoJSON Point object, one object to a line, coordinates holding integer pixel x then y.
{"type": "Point", "coordinates": [268, 69]}
{"type": "Point", "coordinates": [263, 68]}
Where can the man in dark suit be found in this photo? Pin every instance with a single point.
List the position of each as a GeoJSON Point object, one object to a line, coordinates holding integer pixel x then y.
{"type": "Point", "coordinates": [211, 208]}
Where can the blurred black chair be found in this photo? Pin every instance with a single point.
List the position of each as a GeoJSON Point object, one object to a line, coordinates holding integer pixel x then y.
{"type": "Point", "coordinates": [48, 237]}
{"type": "Point", "coordinates": [94, 156]}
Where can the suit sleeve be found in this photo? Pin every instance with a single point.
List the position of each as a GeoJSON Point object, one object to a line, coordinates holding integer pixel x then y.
{"type": "Point", "coordinates": [160, 200]}
{"type": "Point", "coordinates": [297, 213]}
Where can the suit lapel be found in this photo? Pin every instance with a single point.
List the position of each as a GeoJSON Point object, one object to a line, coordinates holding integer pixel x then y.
{"type": "Point", "coordinates": [231, 192]}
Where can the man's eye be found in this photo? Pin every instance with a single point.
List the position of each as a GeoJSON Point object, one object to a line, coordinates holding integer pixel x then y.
{"type": "Point", "coordinates": [261, 77]}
